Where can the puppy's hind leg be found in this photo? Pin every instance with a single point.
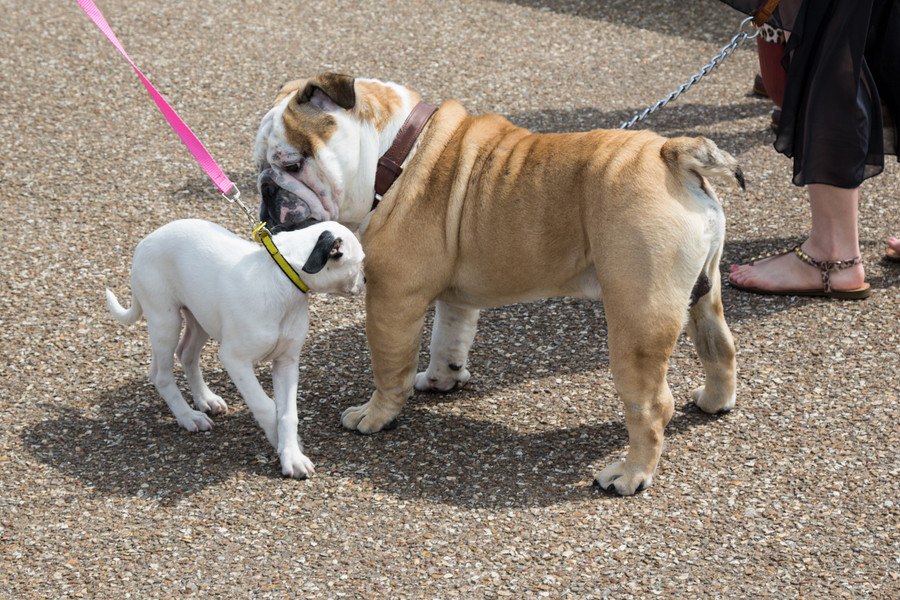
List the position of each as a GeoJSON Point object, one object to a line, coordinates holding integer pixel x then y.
{"type": "Point", "coordinates": [707, 329]}
{"type": "Point", "coordinates": [164, 327]}
{"type": "Point", "coordinates": [192, 341]}
{"type": "Point", "coordinates": [451, 338]}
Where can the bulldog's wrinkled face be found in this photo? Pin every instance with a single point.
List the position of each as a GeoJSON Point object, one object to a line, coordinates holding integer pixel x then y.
{"type": "Point", "coordinates": [317, 149]}
{"type": "Point", "coordinates": [298, 151]}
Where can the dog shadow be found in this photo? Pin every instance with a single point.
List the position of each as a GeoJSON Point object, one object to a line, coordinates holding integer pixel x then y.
{"type": "Point", "coordinates": [129, 445]}
{"type": "Point", "coordinates": [480, 447]}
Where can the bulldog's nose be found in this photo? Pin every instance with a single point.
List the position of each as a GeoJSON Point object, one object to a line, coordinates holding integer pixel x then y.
{"type": "Point", "coordinates": [268, 193]}
{"type": "Point", "coordinates": [265, 182]}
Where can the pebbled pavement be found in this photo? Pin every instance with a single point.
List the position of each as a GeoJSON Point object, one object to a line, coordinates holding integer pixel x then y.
{"type": "Point", "coordinates": [481, 494]}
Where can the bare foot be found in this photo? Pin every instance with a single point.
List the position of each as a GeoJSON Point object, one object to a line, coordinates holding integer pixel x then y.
{"type": "Point", "coordinates": [787, 272]}
{"type": "Point", "coordinates": [893, 250]}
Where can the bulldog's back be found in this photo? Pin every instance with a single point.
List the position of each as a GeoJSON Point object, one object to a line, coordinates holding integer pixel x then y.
{"type": "Point", "coordinates": [541, 193]}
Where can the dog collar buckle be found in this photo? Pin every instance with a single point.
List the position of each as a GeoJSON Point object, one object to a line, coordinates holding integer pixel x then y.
{"type": "Point", "coordinates": [263, 236]}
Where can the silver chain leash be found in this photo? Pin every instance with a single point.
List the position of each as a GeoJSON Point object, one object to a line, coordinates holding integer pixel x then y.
{"type": "Point", "coordinates": [740, 37]}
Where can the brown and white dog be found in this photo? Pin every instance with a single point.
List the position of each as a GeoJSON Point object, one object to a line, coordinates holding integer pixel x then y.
{"type": "Point", "coordinates": [486, 213]}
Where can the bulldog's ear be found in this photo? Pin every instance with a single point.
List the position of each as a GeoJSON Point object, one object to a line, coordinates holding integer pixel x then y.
{"type": "Point", "coordinates": [327, 246]}
{"type": "Point", "coordinates": [334, 86]}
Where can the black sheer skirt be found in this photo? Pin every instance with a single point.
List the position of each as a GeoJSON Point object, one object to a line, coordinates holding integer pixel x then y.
{"type": "Point", "coordinates": [843, 70]}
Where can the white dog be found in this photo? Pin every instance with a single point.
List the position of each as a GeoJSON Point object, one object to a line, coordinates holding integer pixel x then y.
{"type": "Point", "coordinates": [230, 289]}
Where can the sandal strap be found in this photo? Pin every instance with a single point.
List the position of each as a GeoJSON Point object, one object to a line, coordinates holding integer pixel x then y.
{"type": "Point", "coordinates": [826, 266]}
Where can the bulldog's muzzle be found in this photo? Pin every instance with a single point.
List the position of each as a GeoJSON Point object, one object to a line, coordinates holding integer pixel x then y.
{"type": "Point", "coordinates": [281, 209]}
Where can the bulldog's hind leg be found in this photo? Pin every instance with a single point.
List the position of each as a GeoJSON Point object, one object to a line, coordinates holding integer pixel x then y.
{"type": "Point", "coordinates": [642, 335]}
{"type": "Point", "coordinates": [394, 328]}
{"type": "Point", "coordinates": [164, 327]}
{"type": "Point", "coordinates": [188, 351]}
{"type": "Point", "coordinates": [451, 337]}
{"type": "Point", "coordinates": [707, 329]}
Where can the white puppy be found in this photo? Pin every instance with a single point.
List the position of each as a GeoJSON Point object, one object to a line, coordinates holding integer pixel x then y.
{"type": "Point", "coordinates": [230, 289]}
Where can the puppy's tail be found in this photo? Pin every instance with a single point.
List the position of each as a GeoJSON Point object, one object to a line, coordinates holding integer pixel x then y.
{"type": "Point", "coordinates": [118, 311]}
{"type": "Point", "coordinates": [700, 157]}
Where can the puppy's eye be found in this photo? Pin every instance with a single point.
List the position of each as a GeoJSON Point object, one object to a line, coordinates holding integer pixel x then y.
{"type": "Point", "coordinates": [293, 168]}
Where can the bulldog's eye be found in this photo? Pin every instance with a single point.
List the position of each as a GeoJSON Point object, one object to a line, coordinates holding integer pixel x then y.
{"type": "Point", "coordinates": [292, 168]}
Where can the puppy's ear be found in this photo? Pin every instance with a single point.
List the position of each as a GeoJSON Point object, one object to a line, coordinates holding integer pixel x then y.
{"type": "Point", "coordinates": [335, 87]}
{"type": "Point", "coordinates": [327, 246]}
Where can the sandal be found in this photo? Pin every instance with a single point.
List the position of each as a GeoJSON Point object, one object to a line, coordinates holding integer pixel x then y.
{"type": "Point", "coordinates": [826, 267]}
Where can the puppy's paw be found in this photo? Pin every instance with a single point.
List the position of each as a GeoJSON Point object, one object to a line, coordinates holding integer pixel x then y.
{"type": "Point", "coordinates": [623, 479]}
{"type": "Point", "coordinates": [367, 418]}
{"type": "Point", "coordinates": [211, 404]}
{"type": "Point", "coordinates": [712, 402]}
{"type": "Point", "coordinates": [195, 421]}
{"type": "Point", "coordinates": [441, 383]}
{"type": "Point", "coordinates": [296, 465]}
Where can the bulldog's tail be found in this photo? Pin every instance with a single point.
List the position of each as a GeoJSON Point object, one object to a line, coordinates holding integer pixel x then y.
{"type": "Point", "coordinates": [118, 311]}
{"type": "Point", "coordinates": [701, 157]}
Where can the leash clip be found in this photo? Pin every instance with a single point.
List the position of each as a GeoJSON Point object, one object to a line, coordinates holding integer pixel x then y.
{"type": "Point", "coordinates": [233, 196]}
{"type": "Point", "coordinates": [749, 27]}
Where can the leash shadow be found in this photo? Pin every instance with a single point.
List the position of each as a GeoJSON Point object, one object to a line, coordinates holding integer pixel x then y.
{"type": "Point", "coordinates": [687, 119]}
{"type": "Point", "coordinates": [672, 18]}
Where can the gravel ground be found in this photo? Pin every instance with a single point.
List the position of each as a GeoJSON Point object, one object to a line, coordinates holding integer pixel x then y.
{"type": "Point", "coordinates": [481, 494]}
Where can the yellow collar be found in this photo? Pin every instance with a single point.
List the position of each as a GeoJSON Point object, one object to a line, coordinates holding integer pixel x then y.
{"type": "Point", "coordinates": [262, 235]}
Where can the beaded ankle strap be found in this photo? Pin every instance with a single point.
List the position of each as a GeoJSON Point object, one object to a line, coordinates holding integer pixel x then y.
{"type": "Point", "coordinates": [826, 266]}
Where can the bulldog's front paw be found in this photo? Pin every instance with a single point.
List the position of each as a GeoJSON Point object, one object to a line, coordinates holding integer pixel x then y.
{"type": "Point", "coordinates": [195, 421]}
{"type": "Point", "coordinates": [623, 479]}
{"type": "Point", "coordinates": [711, 402]}
{"type": "Point", "coordinates": [296, 465]}
{"type": "Point", "coordinates": [368, 417]}
{"type": "Point", "coordinates": [427, 381]}
{"type": "Point", "coordinates": [211, 404]}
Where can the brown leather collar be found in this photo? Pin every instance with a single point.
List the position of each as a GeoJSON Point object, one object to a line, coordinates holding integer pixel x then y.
{"type": "Point", "coordinates": [389, 168]}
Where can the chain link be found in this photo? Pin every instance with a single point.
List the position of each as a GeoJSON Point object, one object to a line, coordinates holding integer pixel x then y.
{"type": "Point", "coordinates": [740, 37]}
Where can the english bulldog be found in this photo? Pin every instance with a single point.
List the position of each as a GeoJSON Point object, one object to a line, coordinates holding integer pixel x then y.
{"type": "Point", "coordinates": [485, 213]}
{"type": "Point", "coordinates": [230, 289]}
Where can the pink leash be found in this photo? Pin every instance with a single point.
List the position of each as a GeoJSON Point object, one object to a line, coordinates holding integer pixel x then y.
{"type": "Point", "coordinates": [194, 145]}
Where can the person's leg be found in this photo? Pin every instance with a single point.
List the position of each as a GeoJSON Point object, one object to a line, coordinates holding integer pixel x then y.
{"type": "Point", "coordinates": [833, 236]}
